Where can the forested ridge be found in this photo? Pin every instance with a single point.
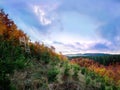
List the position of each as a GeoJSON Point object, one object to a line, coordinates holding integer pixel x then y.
{"type": "Point", "coordinates": [34, 66]}
{"type": "Point", "coordinates": [102, 59]}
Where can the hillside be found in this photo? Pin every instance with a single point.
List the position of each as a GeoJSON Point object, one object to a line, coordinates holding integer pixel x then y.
{"type": "Point", "coordinates": [34, 66]}
{"type": "Point", "coordinates": [26, 65]}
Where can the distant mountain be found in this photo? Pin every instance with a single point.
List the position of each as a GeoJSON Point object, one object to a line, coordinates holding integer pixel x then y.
{"type": "Point", "coordinates": [74, 55]}
{"type": "Point", "coordinates": [87, 54]}
{"type": "Point", "coordinates": [96, 54]}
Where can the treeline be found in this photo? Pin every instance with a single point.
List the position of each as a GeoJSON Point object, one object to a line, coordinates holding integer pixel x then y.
{"type": "Point", "coordinates": [104, 59]}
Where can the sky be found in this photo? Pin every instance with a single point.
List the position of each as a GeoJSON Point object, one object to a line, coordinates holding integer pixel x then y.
{"type": "Point", "coordinates": [71, 26]}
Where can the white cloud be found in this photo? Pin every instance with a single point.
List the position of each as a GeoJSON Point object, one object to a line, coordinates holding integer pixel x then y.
{"type": "Point", "coordinates": [42, 15]}
{"type": "Point", "coordinates": [45, 12]}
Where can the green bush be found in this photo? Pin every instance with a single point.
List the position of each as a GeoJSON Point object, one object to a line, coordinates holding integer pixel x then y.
{"type": "Point", "coordinates": [52, 73]}
{"type": "Point", "coordinates": [87, 80]}
{"type": "Point", "coordinates": [76, 70]}
{"type": "Point", "coordinates": [102, 87]}
{"type": "Point", "coordinates": [67, 68]}
{"type": "Point", "coordinates": [83, 70]}
{"type": "Point", "coordinates": [21, 62]}
{"type": "Point", "coordinates": [46, 57]}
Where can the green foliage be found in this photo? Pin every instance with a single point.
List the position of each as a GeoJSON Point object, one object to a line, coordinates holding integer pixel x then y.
{"type": "Point", "coordinates": [52, 73]}
{"type": "Point", "coordinates": [4, 82]}
{"type": "Point", "coordinates": [102, 87]}
{"type": "Point", "coordinates": [87, 80]}
{"type": "Point", "coordinates": [21, 62]}
{"type": "Point", "coordinates": [67, 68]}
{"type": "Point", "coordinates": [11, 59]}
{"type": "Point", "coordinates": [54, 62]}
{"type": "Point", "coordinates": [114, 87]}
{"type": "Point", "coordinates": [104, 59]}
{"type": "Point", "coordinates": [45, 57]}
{"type": "Point", "coordinates": [12, 87]}
{"type": "Point", "coordinates": [83, 70]}
{"type": "Point", "coordinates": [76, 70]}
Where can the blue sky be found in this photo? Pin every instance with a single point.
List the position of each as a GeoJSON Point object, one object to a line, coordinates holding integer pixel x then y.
{"type": "Point", "coordinates": [71, 26]}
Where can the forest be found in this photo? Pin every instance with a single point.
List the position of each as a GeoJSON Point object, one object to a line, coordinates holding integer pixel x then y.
{"type": "Point", "coordinates": [34, 66]}
{"type": "Point", "coordinates": [102, 59]}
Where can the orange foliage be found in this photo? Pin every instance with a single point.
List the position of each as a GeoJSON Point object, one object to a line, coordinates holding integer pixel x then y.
{"type": "Point", "coordinates": [8, 28]}
{"type": "Point", "coordinates": [38, 49]}
{"type": "Point", "coordinates": [111, 71]}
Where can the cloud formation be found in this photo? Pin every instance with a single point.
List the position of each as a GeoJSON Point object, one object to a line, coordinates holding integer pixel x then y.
{"type": "Point", "coordinates": [74, 26]}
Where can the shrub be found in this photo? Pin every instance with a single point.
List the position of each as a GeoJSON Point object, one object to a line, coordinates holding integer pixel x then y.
{"type": "Point", "coordinates": [102, 86]}
{"type": "Point", "coordinates": [67, 68]}
{"type": "Point", "coordinates": [52, 73]}
{"type": "Point", "coordinates": [76, 70]}
{"type": "Point", "coordinates": [87, 80]}
{"type": "Point", "coordinates": [83, 70]}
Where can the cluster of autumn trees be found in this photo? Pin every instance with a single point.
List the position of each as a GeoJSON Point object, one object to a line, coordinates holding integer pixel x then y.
{"type": "Point", "coordinates": [110, 73]}
{"type": "Point", "coordinates": [8, 29]}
